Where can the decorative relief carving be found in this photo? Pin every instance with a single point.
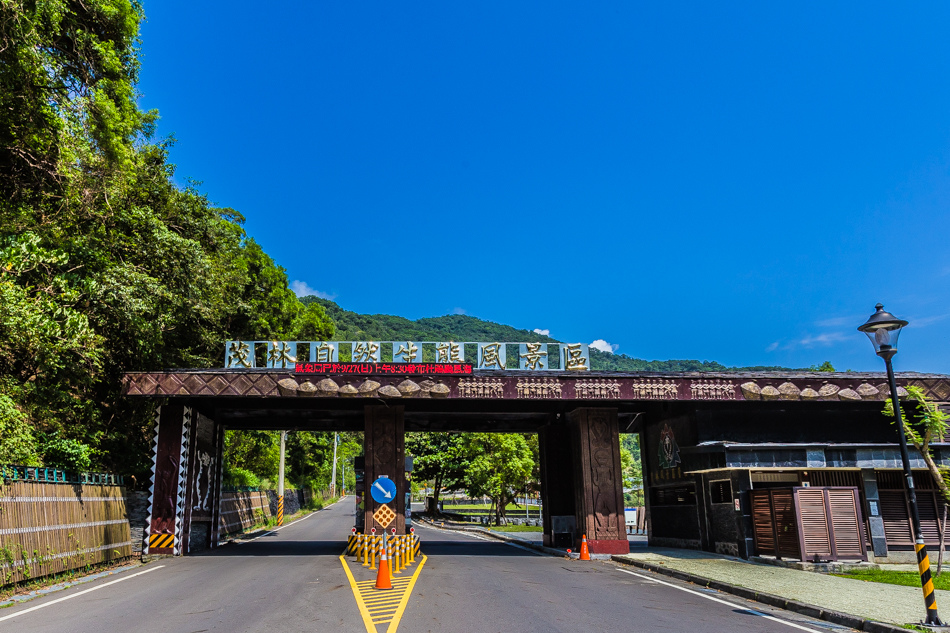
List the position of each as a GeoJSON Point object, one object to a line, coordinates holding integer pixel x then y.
{"type": "Point", "coordinates": [481, 388]}
{"type": "Point", "coordinates": [713, 390]}
{"type": "Point", "coordinates": [597, 389]}
{"type": "Point", "coordinates": [828, 391]}
{"type": "Point", "coordinates": [539, 388]}
{"type": "Point", "coordinates": [654, 389]}
{"type": "Point", "coordinates": [751, 391]}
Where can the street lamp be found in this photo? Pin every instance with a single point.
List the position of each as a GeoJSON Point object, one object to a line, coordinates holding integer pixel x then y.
{"type": "Point", "coordinates": [883, 329]}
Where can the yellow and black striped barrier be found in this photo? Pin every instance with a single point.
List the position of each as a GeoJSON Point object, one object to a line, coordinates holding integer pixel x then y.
{"type": "Point", "coordinates": [926, 582]}
{"type": "Point", "coordinates": [161, 541]}
{"type": "Point", "coordinates": [280, 510]}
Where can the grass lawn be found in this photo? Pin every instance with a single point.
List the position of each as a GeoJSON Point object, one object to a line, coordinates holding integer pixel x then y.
{"type": "Point", "coordinates": [449, 507]}
{"type": "Point", "coordinates": [906, 578]}
{"type": "Point", "coordinates": [517, 528]}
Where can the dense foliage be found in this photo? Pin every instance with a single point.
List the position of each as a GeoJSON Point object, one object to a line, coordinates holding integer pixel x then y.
{"type": "Point", "coordinates": [106, 265]}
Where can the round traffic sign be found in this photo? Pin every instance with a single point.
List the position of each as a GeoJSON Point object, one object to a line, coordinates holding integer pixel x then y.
{"type": "Point", "coordinates": [383, 490]}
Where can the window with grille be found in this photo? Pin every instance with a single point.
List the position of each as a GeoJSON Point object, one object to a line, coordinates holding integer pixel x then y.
{"type": "Point", "coordinates": [720, 491]}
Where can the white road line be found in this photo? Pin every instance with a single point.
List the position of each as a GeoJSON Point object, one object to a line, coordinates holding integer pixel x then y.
{"type": "Point", "coordinates": [721, 601]}
{"type": "Point", "coordinates": [78, 593]}
{"type": "Point", "coordinates": [268, 533]}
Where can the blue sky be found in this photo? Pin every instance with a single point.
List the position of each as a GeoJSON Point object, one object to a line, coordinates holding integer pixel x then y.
{"type": "Point", "coordinates": [738, 182]}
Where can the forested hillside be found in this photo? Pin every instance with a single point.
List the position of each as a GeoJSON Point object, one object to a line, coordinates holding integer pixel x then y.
{"type": "Point", "coordinates": [352, 326]}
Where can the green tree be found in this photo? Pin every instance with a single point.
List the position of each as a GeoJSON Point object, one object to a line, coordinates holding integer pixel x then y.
{"type": "Point", "coordinates": [312, 324]}
{"type": "Point", "coordinates": [499, 465]}
{"type": "Point", "coordinates": [440, 458]}
{"type": "Point", "coordinates": [106, 265]}
{"type": "Point", "coordinates": [924, 423]}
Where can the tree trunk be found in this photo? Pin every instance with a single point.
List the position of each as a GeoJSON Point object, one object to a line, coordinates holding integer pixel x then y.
{"type": "Point", "coordinates": [437, 488]}
{"type": "Point", "coordinates": [943, 539]}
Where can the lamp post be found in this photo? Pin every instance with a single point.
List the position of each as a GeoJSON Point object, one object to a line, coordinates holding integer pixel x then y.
{"type": "Point", "coordinates": [883, 329]}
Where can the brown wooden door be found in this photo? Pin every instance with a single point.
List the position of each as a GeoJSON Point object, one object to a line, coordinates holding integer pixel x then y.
{"type": "Point", "coordinates": [846, 523]}
{"type": "Point", "coordinates": [814, 525]}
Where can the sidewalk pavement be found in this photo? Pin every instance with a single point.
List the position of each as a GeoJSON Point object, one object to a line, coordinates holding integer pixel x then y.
{"type": "Point", "coordinates": [867, 600]}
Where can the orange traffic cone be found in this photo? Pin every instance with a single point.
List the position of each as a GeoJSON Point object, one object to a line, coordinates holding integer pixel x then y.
{"type": "Point", "coordinates": [585, 555]}
{"type": "Point", "coordinates": [383, 578]}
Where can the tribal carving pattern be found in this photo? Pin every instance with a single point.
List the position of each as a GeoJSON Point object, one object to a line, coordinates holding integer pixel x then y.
{"type": "Point", "coordinates": [481, 388]}
{"type": "Point", "coordinates": [539, 388]}
{"type": "Point", "coordinates": [597, 389]}
{"type": "Point", "coordinates": [713, 390]}
{"type": "Point", "coordinates": [655, 390]}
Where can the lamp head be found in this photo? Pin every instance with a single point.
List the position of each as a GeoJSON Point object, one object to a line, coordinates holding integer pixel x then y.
{"type": "Point", "coordinates": [883, 329]}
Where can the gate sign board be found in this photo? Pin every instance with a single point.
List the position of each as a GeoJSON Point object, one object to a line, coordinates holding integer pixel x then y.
{"type": "Point", "coordinates": [406, 356]}
{"type": "Point", "coordinates": [383, 490]}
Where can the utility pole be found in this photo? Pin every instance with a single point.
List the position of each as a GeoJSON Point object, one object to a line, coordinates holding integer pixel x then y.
{"type": "Point", "coordinates": [336, 438]}
{"type": "Point", "coordinates": [280, 480]}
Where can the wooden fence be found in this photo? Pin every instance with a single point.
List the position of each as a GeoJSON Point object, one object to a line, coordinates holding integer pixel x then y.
{"type": "Point", "coordinates": [242, 510]}
{"type": "Point", "coordinates": [47, 528]}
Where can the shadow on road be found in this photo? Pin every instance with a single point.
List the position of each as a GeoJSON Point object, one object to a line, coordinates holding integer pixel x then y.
{"type": "Point", "coordinates": [268, 545]}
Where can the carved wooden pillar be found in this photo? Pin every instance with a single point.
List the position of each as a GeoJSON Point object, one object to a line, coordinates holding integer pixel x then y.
{"type": "Point", "coordinates": [167, 503]}
{"type": "Point", "coordinates": [598, 490]}
{"type": "Point", "coordinates": [557, 479]}
{"type": "Point", "coordinates": [385, 454]}
{"type": "Point", "coordinates": [201, 486]}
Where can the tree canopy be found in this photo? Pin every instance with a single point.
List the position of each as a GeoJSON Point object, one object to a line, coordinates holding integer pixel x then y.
{"type": "Point", "coordinates": [106, 264]}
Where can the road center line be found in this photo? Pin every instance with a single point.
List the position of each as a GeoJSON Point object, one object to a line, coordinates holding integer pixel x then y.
{"type": "Point", "coordinates": [721, 601]}
{"type": "Point", "coordinates": [51, 602]}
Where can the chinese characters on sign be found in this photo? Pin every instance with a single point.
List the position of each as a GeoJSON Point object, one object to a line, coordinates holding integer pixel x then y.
{"type": "Point", "coordinates": [449, 353]}
{"type": "Point", "coordinates": [382, 368]}
{"type": "Point", "coordinates": [402, 354]}
{"type": "Point", "coordinates": [491, 356]}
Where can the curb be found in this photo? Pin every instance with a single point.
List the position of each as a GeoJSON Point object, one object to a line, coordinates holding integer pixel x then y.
{"type": "Point", "coordinates": [517, 541]}
{"type": "Point", "coordinates": [810, 610]}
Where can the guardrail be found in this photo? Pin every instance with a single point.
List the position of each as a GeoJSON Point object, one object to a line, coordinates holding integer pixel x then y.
{"type": "Point", "coordinates": [13, 472]}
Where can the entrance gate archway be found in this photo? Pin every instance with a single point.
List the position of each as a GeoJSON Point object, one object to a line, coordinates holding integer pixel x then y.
{"type": "Point", "coordinates": [697, 431]}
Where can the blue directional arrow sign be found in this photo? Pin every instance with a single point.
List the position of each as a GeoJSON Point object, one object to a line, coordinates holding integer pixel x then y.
{"type": "Point", "coordinates": [383, 490]}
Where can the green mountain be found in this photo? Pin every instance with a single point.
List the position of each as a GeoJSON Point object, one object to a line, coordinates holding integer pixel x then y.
{"type": "Point", "coordinates": [353, 326]}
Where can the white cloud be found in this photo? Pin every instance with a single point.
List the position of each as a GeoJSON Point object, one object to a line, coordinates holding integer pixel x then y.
{"type": "Point", "coordinates": [459, 311]}
{"type": "Point", "coordinates": [924, 321]}
{"type": "Point", "coordinates": [604, 346]}
{"type": "Point", "coordinates": [303, 289]}
{"type": "Point", "coordinates": [542, 332]}
{"type": "Point", "coordinates": [825, 339]}
{"type": "Point", "coordinates": [842, 321]}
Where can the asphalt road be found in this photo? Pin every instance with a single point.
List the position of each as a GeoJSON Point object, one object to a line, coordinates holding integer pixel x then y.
{"type": "Point", "coordinates": [292, 580]}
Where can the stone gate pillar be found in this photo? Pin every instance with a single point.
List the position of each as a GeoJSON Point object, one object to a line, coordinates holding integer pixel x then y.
{"type": "Point", "coordinates": [385, 454]}
{"type": "Point", "coordinates": [557, 483]}
{"type": "Point", "coordinates": [165, 526]}
{"type": "Point", "coordinates": [598, 480]}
